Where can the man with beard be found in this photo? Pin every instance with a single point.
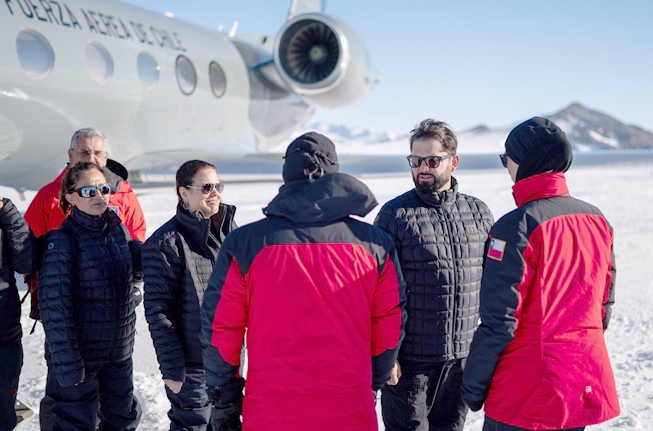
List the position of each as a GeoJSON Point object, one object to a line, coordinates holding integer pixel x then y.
{"type": "Point", "coordinates": [441, 236]}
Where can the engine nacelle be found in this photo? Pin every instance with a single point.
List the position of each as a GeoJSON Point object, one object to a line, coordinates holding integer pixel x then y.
{"type": "Point", "coordinates": [323, 61]}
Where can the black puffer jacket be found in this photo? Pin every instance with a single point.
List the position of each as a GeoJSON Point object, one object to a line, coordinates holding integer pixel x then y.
{"type": "Point", "coordinates": [17, 253]}
{"type": "Point", "coordinates": [178, 260]}
{"type": "Point", "coordinates": [85, 293]}
{"type": "Point", "coordinates": [441, 244]}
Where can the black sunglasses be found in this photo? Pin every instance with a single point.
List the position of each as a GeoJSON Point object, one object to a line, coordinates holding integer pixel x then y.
{"type": "Point", "coordinates": [91, 191]}
{"type": "Point", "coordinates": [208, 187]}
{"type": "Point", "coordinates": [504, 159]}
{"type": "Point", "coordinates": [432, 162]}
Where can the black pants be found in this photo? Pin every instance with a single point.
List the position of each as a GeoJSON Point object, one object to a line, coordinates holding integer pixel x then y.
{"type": "Point", "coordinates": [427, 398]}
{"type": "Point", "coordinates": [75, 408]}
{"type": "Point", "coordinates": [11, 361]}
{"type": "Point", "coordinates": [190, 408]}
{"type": "Point", "coordinates": [492, 425]}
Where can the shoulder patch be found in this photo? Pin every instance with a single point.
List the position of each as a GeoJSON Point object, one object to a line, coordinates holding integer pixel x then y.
{"type": "Point", "coordinates": [497, 247]}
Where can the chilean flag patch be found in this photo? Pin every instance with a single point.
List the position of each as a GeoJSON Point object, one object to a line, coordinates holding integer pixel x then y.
{"type": "Point", "coordinates": [497, 247]}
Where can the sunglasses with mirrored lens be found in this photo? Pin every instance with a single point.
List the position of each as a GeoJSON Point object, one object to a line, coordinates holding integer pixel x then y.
{"type": "Point", "coordinates": [432, 162]}
{"type": "Point", "coordinates": [504, 159]}
{"type": "Point", "coordinates": [208, 187]}
{"type": "Point", "coordinates": [91, 191]}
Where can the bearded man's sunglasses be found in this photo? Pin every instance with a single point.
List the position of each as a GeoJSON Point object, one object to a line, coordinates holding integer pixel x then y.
{"type": "Point", "coordinates": [432, 162]}
{"type": "Point", "coordinates": [91, 191]}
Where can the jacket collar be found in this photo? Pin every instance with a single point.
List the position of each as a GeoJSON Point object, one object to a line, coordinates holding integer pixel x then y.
{"type": "Point", "coordinates": [198, 226]}
{"type": "Point", "coordinates": [98, 224]}
{"type": "Point", "coordinates": [329, 198]}
{"type": "Point", "coordinates": [448, 197]}
{"type": "Point", "coordinates": [540, 186]}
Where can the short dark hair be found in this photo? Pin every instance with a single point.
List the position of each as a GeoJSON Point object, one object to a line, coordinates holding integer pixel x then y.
{"type": "Point", "coordinates": [438, 130]}
{"type": "Point", "coordinates": [187, 172]}
{"type": "Point", "coordinates": [70, 180]}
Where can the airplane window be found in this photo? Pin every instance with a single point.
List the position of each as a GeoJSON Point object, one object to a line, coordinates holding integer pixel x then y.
{"type": "Point", "coordinates": [99, 63]}
{"type": "Point", "coordinates": [218, 80]}
{"type": "Point", "coordinates": [148, 70]}
{"type": "Point", "coordinates": [35, 54]}
{"type": "Point", "coordinates": [186, 76]}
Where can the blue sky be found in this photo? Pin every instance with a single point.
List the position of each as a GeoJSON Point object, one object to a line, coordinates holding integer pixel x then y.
{"type": "Point", "coordinates": [475, 62]}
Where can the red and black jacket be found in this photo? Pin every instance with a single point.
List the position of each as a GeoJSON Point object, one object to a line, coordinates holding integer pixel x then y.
{"type": "Point", "coordinates": [539, 360]}
{"type": "Point", "coordinates": [322, 298]}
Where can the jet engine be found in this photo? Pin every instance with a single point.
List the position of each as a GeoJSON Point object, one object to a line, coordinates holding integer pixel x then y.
{"type": "Point", "coordinates": [321, 59]}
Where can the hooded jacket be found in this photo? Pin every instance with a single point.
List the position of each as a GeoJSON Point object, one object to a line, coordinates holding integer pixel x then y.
{"type": "Point", "coordinates": [441, 243]}
{"type": "Point", "coordinates": [17, 253]}
{"type": "Point", "coordinates": [322, 298]}
{"type": "Point", "coordinates": [85, 293]}
{"type": "Point", "coordinates": [44, 213]}
{"type": "Point", "coordinates": [177, 262]}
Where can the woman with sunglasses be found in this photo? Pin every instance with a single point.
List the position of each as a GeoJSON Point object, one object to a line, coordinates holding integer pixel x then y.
{"type": "Point", "coordinates": [87, 307]}
{"type": "Point", "coordinates": [178, 260]}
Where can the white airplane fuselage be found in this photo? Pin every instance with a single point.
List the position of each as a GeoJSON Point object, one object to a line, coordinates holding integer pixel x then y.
{"type": "Point", "coordinates": [143, 121]}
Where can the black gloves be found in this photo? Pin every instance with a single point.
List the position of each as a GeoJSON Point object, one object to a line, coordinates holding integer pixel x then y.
{"type": "Point", "coordinates": [227, 403]}
{"type": "Point", "coordinates": [138, 292]}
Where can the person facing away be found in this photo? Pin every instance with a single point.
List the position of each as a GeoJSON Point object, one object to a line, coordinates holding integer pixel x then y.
{"type": "Point", "coordinates": [440, 235]}
{"type": "Point", "coordinates": [322, 299]}
{"type": "Point", "coordinates": [44, 214]}
{"type": "Point", "coordinates": [87, 308]}
{"type": "Point", "coordinates": [539, 359]}
{"type": "Point", "coordinates": [17, 253]}
{"type": "Point", "coordinates": [177, 262]}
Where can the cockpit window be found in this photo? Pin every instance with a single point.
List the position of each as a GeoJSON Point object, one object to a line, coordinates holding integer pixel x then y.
{"type": "Point", "coordinates": [186, 76]}
{"type": "Point", "coordinates": [99, 63]}
{"type": "Point", "coordinates": [148, 70]}
{"type": "Point", "coordinates": [218, 80]}
{"type": "Point", "coordinates": [35, 54]}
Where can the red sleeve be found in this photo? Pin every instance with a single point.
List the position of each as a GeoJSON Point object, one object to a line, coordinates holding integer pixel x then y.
{"type": "Point", "coordinates": [388, 319]}
{"type": "Point", "coordinates": [230, 318]}
{"type": "Point", "coordinates": [35, 216]}
{"type": "Point", "coordinates": [132, 213]}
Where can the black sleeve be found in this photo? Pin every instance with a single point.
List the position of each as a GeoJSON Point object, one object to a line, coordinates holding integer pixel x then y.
{"type": "Point", "coordinates": [611, 278]}
{"type": "Point", "coordinates": [19, 239]}
{"type": "Point", "coordinates": [163, 275]}
{"type": "Point", "coordinates": [499, 300]}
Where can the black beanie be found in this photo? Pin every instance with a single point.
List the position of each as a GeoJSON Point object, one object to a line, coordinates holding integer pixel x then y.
{"type": "Point", "coordinates": [310, 156]}
{"type": "Point", "coordinates": [538, 145]}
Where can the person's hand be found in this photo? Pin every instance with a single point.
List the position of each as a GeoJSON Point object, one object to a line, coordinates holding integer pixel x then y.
{"type": "Point", "coordinates": [173, 385]}
{"type": "Point", "coordinates": [2, 202]}
{"type": "Point", "coordinates": [395, 374]}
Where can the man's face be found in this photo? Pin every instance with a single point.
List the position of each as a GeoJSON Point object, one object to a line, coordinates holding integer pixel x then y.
{"type": "Point", "coordinates": [431, 180]}
{"type": "Point", "coordinates": [89, 150]}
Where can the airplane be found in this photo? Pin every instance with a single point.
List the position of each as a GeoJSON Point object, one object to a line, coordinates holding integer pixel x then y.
{"type": "Point", "coordinates": [162, 90]}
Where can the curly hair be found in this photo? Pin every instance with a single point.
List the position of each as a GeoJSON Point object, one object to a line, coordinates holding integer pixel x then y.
{"type": "Point", "coordinates": [438, 130]}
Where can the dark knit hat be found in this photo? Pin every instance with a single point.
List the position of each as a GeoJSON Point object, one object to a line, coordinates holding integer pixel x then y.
{"type": "Point", "coordinates": [538, 145]}
{"type": "Point", "coordinates": [309, 157]}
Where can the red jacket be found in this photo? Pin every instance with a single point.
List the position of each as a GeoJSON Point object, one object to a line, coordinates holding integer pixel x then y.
{"type": "Point", "coordinates": [322, 298]}
{"type": "Point", "coordinates": [539, 359]}
{"type": "Point", "coordinates": [44, 213]}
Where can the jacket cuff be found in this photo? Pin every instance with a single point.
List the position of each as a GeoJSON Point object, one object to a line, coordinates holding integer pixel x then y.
{"type": "Point", "coordinates": [71, 378]}
{"type": "Point", "coordinates": [474, 405]}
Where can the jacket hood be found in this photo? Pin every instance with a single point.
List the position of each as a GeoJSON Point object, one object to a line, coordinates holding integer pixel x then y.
{"type": "Point", "coordinates": [331, 197]}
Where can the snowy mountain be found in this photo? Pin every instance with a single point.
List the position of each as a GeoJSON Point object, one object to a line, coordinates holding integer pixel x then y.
{"type": "Point", "coordinates": [588, 130]}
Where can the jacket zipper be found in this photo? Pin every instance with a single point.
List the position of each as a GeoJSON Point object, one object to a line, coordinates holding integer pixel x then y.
{"type": "Point", "coordinates": [455, 279]}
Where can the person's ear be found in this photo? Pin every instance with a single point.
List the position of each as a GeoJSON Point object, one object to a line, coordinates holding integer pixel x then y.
{"type": "Point", "coordinates": [70, 155]}
{"type": "Point", "coordinates": [183, 192]}
{"type": "Point", "coordinates": [454, 162]}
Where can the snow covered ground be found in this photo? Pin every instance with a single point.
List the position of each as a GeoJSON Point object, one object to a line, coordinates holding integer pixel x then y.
{"type": "Point", "coordinates": [624, 194]}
